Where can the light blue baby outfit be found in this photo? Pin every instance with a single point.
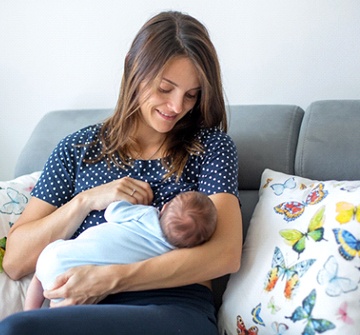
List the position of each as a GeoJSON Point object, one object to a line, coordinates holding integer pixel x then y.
{"type": "Point", "coordinates": [132, 233]}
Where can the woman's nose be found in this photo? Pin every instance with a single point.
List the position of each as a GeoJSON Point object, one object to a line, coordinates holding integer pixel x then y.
{"type": "Point", "coordinates": [176, 104]}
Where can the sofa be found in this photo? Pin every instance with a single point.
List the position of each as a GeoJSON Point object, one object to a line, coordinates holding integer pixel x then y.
{"type": "Point", "coordinates": [298, 171]}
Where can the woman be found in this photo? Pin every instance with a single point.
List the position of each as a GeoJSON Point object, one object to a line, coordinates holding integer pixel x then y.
{"type": "Point", "coordinates": [166, 136]}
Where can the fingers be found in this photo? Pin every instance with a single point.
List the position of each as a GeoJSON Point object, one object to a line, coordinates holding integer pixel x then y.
{"type": "Point", "coordinates": [56, 291]}
{"type": "Point", "coordinates": [81, 285]}
{"type": "Point", "coordinates": [137, 191]}
{"type": "Point", "coordinates": [129, 189]}
{"type": "Point", "coordinates": [67, 291]}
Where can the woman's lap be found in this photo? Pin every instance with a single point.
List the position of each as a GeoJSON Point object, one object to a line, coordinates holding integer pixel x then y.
{"type": "Point", "coordinates": [157, 316]}
{"type": "Point", "coordinates": [109, 319]}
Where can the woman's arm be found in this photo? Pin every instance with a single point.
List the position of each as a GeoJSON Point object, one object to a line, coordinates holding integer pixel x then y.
{"type": "Point", "coordinates": [39, 224]}
{"type": "Point", "coordinates": [42, 223]}
{"type": "Point", "coordinates": [219, 256]}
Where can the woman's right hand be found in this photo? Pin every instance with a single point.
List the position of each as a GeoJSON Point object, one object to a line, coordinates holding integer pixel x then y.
{"type": "Point", "coordinates": [127, 188]}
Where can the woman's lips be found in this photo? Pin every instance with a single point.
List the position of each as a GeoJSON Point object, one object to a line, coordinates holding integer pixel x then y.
{"type": "Point", "coordinates": [166, 116]}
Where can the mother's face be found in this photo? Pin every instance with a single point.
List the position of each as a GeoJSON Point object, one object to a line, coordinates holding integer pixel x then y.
{"type": "Point", "coordinates": [171, 97]}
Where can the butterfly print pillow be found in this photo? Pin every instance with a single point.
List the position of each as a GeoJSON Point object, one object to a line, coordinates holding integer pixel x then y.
{"type": "Point", "coordinates": [14, 196]}
{"type": "Point", "coordinates": [300, 268]}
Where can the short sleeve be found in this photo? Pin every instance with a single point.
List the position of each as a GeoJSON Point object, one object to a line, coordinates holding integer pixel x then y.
{"type": "Point", "coordinates": [219, 168]}
{"type": "Point", "coordinates": [56, 185]}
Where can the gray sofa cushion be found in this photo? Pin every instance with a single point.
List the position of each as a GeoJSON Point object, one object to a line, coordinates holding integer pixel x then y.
{"type": "Point", "coordinates": [329, 141]}
{"type": "Point", "coordinates": [266, 137]}
{"type": "Point", "coordinates": [49, 131]}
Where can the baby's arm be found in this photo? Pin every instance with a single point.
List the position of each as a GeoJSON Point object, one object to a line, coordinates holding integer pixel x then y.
{"type": "Point", "coordinates": [34, 296]}
{"type": "Point", "coordinates": [121, 211]}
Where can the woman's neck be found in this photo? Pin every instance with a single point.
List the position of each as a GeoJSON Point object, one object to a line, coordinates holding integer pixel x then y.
{"type": "Point", "coordinates": [147, 150]}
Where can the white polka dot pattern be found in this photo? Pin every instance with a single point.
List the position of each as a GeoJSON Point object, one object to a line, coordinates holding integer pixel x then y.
{"type": "Point", "coordinates": [66, 174]}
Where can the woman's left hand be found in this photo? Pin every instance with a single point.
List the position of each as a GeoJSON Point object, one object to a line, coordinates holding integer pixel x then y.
{"type": "Point", "coordinates": [81, 285]}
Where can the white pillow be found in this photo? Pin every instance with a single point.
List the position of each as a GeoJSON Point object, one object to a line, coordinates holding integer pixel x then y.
{"type": "Point", "coordinates": [300, 270]}
{"type": "Point", "coordinates": [14, 195]}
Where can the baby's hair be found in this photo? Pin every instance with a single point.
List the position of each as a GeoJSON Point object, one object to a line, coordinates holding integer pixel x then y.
{"type": "Point", "coordinates": [189, 219]}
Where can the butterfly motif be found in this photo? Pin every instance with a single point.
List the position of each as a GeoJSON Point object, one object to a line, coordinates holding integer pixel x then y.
{"type": "Point", "coordinates": [335, 285]}
{"type": "Point", "coordinates": [297, 239]}
{"type": "Point", "coordinates": [241, 329]}
{"type": "Point", "coordinates": [279, 328]}
{"type": "Point", "coordinates": [347, 212]}
{"type": "Point", "coordinates": [293, 209]}
{"type": "Point", "coordinates": [268, 181]}
{"type": "Point", "coordinates": [271, 305]}
{"type": "Point", "coordinates": [280, 188]}
{"type": "Point", "coordinates": [256, 315]}
{"type": "Point", "coordinates": [349, 245]}
{"type": "Point", "coordinates": [280, 270]}
{"type": "Point", "coordinates": [304, 313]}
{"type": "Point", "coordinates": [343, 315]}
{"type": "Point", "coordinates": [17, 202]}
{"type": "Point", "coordinates": [290, 209]}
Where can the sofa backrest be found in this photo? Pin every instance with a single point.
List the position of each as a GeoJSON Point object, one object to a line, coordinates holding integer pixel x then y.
{"type": "Point", "coordinates": [329, 141]}
{"type": "Point", "coordinates": [266, 136]}
{"type": "Point", "coordinates": [49, 131]}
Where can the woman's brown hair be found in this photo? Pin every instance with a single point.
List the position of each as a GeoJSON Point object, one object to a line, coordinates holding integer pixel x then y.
{"type": "Point", "coordinates": [161, 39]}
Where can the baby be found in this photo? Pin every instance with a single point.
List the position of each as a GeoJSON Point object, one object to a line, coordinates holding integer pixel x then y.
{"type": "Point", "coordinates": [132, 233]}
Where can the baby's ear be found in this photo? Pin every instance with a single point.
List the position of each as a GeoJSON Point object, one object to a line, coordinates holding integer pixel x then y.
{"type": "Point", "coordinates": [163, 208]}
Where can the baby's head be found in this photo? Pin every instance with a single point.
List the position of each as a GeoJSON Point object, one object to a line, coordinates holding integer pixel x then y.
{"type": "Point", "coordinates": [189, 219]}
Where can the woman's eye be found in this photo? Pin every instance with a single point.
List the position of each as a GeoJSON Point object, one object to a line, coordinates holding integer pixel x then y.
{"type": "Point", "coordinates": [163, 90]}
{"type": "Point", "coordinates": [191, 96]}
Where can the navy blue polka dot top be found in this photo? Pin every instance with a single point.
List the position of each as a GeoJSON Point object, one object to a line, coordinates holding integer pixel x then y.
{"type": "Point", "coordinates": [66, 174]}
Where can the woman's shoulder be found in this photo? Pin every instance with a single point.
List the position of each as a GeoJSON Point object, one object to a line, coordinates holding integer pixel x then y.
{"type": "Point", "coordinates": [214, 136]}
{"type": "Point", "coordinates": [83, 136]}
